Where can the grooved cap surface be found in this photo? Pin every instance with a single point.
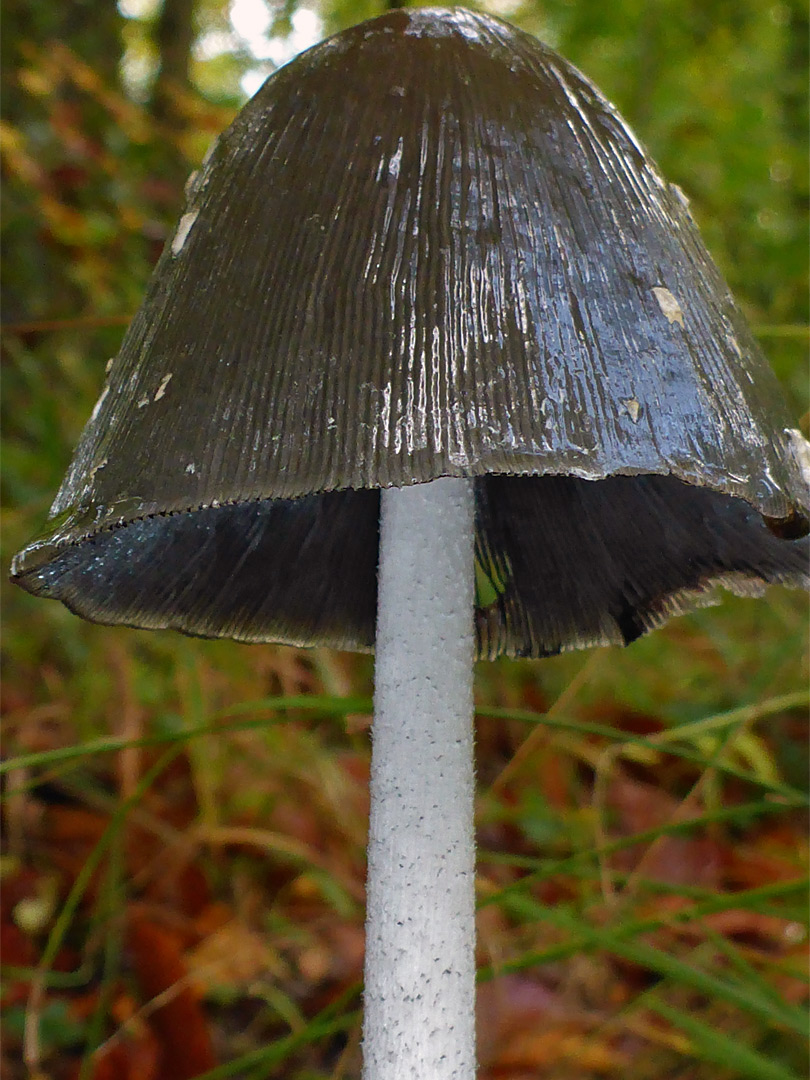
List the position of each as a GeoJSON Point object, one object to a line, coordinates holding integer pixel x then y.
{"type": "Point", "coordinates": [426, 247]}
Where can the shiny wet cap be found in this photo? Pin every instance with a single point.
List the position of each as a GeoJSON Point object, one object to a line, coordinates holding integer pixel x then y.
{"type": "Point", "coordinates": [428, 247]}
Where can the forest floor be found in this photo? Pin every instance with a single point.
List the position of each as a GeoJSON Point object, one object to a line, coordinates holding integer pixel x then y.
{"type": "Point", "coordinates": [184, 858]}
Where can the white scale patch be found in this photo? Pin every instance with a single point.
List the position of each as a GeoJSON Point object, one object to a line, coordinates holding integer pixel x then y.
{"type": "Point", "coordinates": [161, 390]}
{"type": "Point", "coordinates": [669, 305]}
{"type": "Point", "coordinates": [183, 229]}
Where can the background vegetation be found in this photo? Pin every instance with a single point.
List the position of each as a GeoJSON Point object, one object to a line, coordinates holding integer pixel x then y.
{"type": "Point", "coordinates": [184, 821]}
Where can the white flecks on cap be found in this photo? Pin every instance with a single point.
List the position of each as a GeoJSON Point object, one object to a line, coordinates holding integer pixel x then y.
{"type": "Point", "coordinates": [183, 229]}
{"type": "Point", "coordinates": [681, 196]}
{"type": "Point", "coordinates": [96, 468]}
{"type": "Point", "coordinates": [161, 390]}
{"type": "Point", "coordinates": [669, 305]}
{"type": "Point", "coordinates": [209, 153]}
{"type": "Point", "coordinates": [191, 182]}
{"type": "Point", "coordinates": [801, 451]}
{"type": "Point", "coordinates": [99, 403]}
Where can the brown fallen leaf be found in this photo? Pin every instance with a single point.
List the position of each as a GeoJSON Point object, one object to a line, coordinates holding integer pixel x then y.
{"type": "Point", "coordinates": [532, 1051]}
{"type": "Point", "coordinates": [177, 1020]}
{"type": "Point", "coordinates": [133, 1056]}
{"type": "Point", "coordinates": [233, 955]}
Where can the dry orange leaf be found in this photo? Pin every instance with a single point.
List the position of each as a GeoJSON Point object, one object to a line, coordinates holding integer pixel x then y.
{"type": "Point", "coordinates": [545, 1049]}
{"type": "Point", "coordinates": [178, 1021]}
{"type": "Point", "coordinates": [232, 955]}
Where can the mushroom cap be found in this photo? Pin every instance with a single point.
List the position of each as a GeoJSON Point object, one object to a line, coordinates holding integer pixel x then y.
{"type": "Point", "coordinates": [428, 247]}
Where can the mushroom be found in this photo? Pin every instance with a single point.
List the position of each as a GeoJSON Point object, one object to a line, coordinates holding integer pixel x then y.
{"type": "Point", "coordinates": [428, 283]}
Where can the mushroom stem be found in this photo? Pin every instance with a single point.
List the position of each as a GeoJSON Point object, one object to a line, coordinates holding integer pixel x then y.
{"type": "Point", "coordinates": [420, 928]}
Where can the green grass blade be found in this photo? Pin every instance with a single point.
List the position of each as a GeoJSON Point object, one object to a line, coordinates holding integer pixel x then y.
{"type": "Point", "coordinates": [711, 1045]}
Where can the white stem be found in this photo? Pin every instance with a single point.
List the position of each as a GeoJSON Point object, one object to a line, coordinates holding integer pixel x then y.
{"type": "Point", "coordinates": [420, 930]}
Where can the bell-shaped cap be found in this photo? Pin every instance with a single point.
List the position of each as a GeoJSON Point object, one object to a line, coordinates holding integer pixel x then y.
{"type": "Point", "coordinates": [428, 247]}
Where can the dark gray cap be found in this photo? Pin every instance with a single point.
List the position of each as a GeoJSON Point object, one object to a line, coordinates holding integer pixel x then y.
{"type": "Point", "coordinates": [428, 247]}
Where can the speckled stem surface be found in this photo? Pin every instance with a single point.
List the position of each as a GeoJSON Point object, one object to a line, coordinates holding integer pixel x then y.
{"type": "Point", "coordinates": [420, 932]}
